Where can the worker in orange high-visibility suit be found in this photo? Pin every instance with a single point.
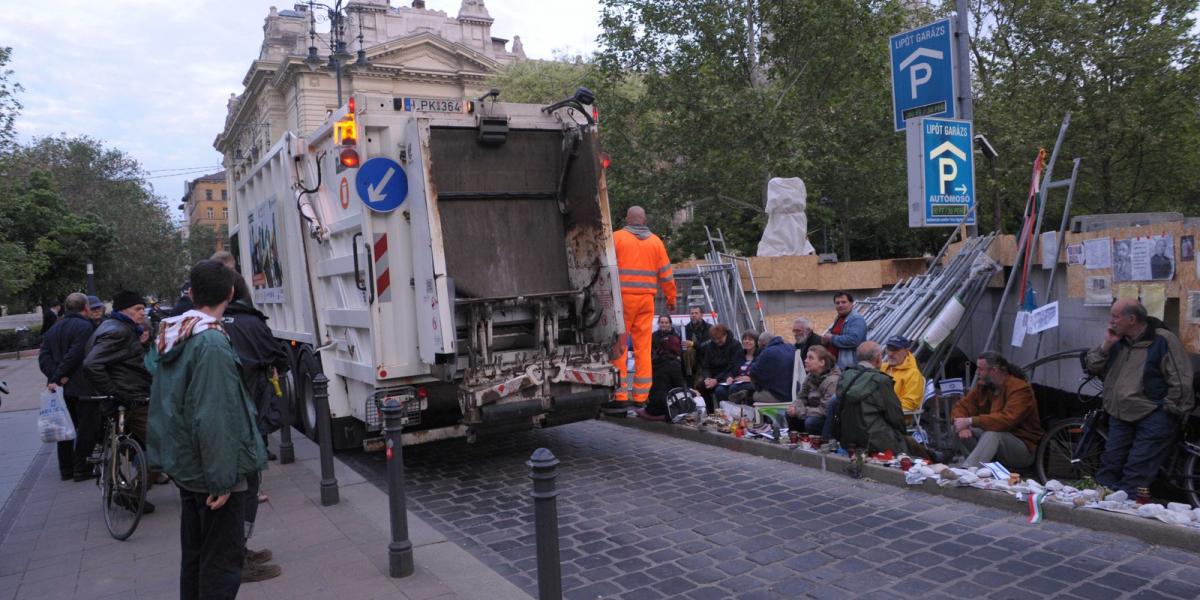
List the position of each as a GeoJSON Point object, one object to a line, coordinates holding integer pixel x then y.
{"type": "Point", "coordinates": [644, 268]}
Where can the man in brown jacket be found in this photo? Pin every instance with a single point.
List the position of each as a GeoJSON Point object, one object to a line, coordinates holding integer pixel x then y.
{"type": "Point", "coordinates": [1147, 390]}
{"type": "Point", "coordinates": [998, 419]}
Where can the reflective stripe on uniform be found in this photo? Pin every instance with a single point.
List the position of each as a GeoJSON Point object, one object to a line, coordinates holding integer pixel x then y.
{"type": "Point", "coordinates": [643, 380]}
{"type": "Point", "coordinates": [665, 269]}
{"type": "Point", "coordinates": [639, 284]}
{"type": "Point", "coordinates": [637, 272]}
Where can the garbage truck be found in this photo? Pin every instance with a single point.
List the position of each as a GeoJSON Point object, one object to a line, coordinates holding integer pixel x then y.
{"type": "Point", "coordinates": [454, 255]}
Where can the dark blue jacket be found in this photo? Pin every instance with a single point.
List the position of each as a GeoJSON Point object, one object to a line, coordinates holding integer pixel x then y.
{"type": "Point", "coordinates": [63, 349]}
{"type": "Point", "coordinates": [772, 369]}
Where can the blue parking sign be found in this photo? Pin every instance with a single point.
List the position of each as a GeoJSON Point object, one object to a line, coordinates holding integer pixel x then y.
{"type": "Point", "coordinates": [949, 171]}
{"type": "Point", "coordinates": [923, 81]}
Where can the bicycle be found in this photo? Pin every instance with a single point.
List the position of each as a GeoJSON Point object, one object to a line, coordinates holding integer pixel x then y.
{"type": "Point", "coordinates": [121, 474]}
{"type": "Point", "coordinates": [1071, 448]}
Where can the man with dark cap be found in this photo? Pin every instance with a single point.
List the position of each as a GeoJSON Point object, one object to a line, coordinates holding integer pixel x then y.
{"type": "Point", "coordinates": [902, 367]}
{"type": "Point", "coordinates": [95, 309]}
{"type": "Point", "coordinates": [115, 362]}
{"type": "Point", "coordinates": [61, 361]}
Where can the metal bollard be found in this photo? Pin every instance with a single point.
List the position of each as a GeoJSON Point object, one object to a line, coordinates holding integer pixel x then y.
{"type": "Point", "coordinates": [287, 451]}
{"type": "Point", "coordinates": [543, 471]}
{"type": "Point", "coordinates": [329, 484]}
{"type": "Point", "coordinates": [400, 553]}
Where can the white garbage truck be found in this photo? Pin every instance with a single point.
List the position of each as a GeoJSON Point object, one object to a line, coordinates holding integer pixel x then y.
{"type": "Point", "coordinates": [454, 254]}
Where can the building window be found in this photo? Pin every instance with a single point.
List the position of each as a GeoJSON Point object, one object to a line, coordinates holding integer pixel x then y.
{"type": "Point", "coordinates": [208, 194]}
{"type": "Point", "coordinates": [209, 212]}
{"type": "Point", "coordinates": [224, 195]}
{"type": "Point", "coordinates": [225, 214]}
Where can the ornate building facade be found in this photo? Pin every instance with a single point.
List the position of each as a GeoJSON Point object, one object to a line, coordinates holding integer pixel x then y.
{"type": "Point", "coordinates": [411, 51]}
{"type": "Point", "coordinates": [205, 203]}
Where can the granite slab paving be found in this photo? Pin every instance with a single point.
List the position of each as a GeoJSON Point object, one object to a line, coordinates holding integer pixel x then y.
{"type": "Point", "coordinates": [643, 515]}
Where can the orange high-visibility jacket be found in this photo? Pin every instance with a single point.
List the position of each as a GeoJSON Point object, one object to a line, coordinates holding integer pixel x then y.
{"type": "Point", "coordinates": [643, 264]}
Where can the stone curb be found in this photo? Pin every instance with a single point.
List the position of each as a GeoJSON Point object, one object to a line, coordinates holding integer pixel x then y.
{"type": "Point", "coordinates": [1150, 531]}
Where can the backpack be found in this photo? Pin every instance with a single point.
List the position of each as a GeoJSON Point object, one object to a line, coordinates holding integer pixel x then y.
{"type": "Point", "coordinates": [681, 403]}
{"type": "Point", "coordinates": [849, 426]}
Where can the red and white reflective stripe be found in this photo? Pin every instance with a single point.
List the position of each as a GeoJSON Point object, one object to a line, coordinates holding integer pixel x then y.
{"type": "Point", "coordinates": [383, 276]}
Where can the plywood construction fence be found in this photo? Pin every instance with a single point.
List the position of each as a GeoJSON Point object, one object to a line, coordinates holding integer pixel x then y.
{"type": "Point", "coordinates": [804, 274]}
{"type": "Point", "coordinates": [1185, 278]}
{"type": "Point", "coordinates": [781, 324]}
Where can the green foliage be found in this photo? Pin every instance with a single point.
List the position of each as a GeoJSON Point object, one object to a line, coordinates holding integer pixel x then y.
{"type": "Point", "coordinates": [44, 246]}
{"type": "Point", "coordinates": [147, 250]}
{"type": "Point", "coordinates": [743, 90]}
{"type": "Point", "coordinates": [10, 106]}
{"type": "Point", "coordinates": [202, 241]}
{"type": "Point", "coordinates": [541, 81]}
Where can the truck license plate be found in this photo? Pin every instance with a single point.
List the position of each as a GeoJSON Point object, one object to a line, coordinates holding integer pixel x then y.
{"type": "Point", "coordinates": [442, 105]}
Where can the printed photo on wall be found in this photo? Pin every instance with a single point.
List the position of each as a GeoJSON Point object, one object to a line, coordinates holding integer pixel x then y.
{"type": "Point", "coordinates": [1122, 262]}
{"type": "Point", "coordinates": [1187, 248]}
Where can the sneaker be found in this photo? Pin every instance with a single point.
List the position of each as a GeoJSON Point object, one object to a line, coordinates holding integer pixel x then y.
{"type": "Point", "coordinates": [258, 557]}
{"type": "Point", "coordinates": [253, 572]}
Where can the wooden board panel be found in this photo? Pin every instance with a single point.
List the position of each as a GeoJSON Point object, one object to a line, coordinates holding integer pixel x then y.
{"type": "Point", "coordinates": [781, 323]}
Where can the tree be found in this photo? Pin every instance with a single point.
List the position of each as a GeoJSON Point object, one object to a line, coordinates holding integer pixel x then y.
{"type": "Point", "coordinates": [202, 241]}
{"type": "Point", "coordinates": [93, 178]}
{"type": "Point", "coordinates": [43, 246]}
{"type": "Point", "coordinates": [1128, 73]}
{"type": "Point", "coordinates": [10, 106]}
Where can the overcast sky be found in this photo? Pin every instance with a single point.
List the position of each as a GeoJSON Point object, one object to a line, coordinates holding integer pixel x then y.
{"type": "Point", "coordinates": [151, 77]}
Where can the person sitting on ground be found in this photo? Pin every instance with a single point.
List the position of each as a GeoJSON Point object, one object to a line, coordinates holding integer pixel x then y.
{"type": "Point", "coordinates": [697, 332]}
{"type": "Point", "coordinates": [998, 419]}
{"type": "Point", "coordinates": [805, 338]}
{"type": "Point", "coordinates": [772, 370]}
{"type": "Point", "coordinates": [668, 372]}
{"type": "Point", "coordinates": [738, 380]}
{"type": "Point", "coordinates": [807, 413]}
{"type": "Point", "coordinates": [1147, 391]}
{"type": "Point", "coordinates": [868, 411]}
{"type": "Point", "coordinates": [718, 359]}
{"type": "Point", "coordinates": [665, 331]}
{"type": "Point", "coordinates": [901, 366]}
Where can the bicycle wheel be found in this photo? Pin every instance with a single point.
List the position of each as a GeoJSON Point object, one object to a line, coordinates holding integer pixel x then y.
{"type": "Point", "coordinates": [1191, 479]}
{"type": "Point", "coordinates": [1053, 459]}
{"type": "Point", "coordinates": [125, 489]}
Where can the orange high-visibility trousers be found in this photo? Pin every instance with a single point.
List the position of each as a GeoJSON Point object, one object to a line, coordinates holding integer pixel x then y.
{"type": "Point", "coordinates": [639, 322]}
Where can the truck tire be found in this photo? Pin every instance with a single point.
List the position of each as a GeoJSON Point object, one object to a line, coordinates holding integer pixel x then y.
{"type": "Point", "coordinates": [307, 367]}
{"type": "Point", "coordinates": [287, 385]}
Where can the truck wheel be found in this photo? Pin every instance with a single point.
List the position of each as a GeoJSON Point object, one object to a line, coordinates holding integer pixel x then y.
{"type": "Point", "coordinates": [307, 367]}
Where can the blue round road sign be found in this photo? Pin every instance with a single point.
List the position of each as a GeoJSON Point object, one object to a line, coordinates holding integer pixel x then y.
{"type": "Point", "coordinates": [381, 184]}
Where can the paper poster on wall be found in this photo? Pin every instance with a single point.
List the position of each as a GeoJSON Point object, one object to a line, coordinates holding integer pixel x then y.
{"type": "Point", "coordinates": [1154, 298]}
{"type": "Point", "coordinates": [1075, 254]}
{"type": "Point", "coordinates": [1097, 253]}
{"type": "Point", "coordinates": [1049, 246]}
{"type": "Point", "coordinates": [1045, 317]}
{"type": "Point", "coordinates": [1193, 311]}
{"type": "Point", "coordinates": [1127, 291]}
{"type": "Point", "coordinates": [1122, 265]}
{"type": "Point", "coordinates": [267, 278]}
{"type": "Point", "coordinates": [1187, 248]}
{"type": "Point", "coordinates": [1020, 327]}
{"type": "Point", "coordinates": [1150, 258]}
{"type": "Point", "coordinates": [1097, 291]}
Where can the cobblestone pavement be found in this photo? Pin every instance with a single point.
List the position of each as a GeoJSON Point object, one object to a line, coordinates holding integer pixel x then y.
{"type": "Point", "coordinates": [648, 516]}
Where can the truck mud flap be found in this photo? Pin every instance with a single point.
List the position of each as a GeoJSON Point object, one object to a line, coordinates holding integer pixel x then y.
{"type": "Point", "coordinates": [572, 408]}
{"type": "Point", "coordinates": [518, 412]}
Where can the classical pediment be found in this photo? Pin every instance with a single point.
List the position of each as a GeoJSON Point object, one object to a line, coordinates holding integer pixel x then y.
{"type": "Point", "coordinates": [428, 52]}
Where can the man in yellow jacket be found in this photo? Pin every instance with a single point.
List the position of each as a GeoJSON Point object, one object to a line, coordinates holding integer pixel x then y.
{"type": "Point", "coordinates": [901, 365]}
{"type": "Point", "coordinates": [644, 268]}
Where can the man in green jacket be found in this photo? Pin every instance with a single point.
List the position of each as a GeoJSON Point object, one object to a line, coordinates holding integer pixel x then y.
{"type": "Point", "coordinates": [867, 407]}
{"type": "Point", "coordinates": [203, 434]}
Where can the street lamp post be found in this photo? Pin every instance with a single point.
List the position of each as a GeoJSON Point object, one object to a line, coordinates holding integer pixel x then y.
{"type": "Point", "coordinates": [338, 54]}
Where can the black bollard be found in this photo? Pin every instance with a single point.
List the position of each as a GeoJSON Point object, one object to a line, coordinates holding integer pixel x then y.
{"type": "Point", "coordinates": [287, 451]}
{"type": "Point", "coordinates": [329, 484]}
{"type": "Point", "coordinates": [543, 471]}
{"type": "Point", "coordinates": [400, 552]}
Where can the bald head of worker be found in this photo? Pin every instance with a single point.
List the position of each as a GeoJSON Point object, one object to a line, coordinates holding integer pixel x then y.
{"type": "Point", "coordinates": [870, 352]}
{"type": "Point", "coordinates": [636, 215]}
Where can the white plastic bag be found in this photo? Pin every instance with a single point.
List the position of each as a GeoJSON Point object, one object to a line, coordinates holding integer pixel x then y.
{"type": "Point", "coordinates": [54, 421]}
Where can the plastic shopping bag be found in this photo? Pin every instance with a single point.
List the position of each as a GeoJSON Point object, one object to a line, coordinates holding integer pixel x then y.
{"type": "Point", "coordinates": [54, 420]}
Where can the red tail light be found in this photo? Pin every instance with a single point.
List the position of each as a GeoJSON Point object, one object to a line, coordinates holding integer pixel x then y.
{"type": "Point", "coordinates": [349, 158]}
{"type": "Point", "coordinates": [422, 393]}
{"type": "Point", "coordinates": [605, 160]}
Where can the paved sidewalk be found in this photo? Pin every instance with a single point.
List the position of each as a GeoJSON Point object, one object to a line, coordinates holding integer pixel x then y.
{"type": "Point", "coordinates": [53, 542]}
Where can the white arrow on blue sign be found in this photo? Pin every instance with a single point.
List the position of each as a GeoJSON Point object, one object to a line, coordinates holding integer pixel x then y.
{"type": "Point", "coordinates": [381, 184]}
{"type": "Point", "coordinates": [949, 170]}
{"type": "Point", "coordinates": [923, 81]}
